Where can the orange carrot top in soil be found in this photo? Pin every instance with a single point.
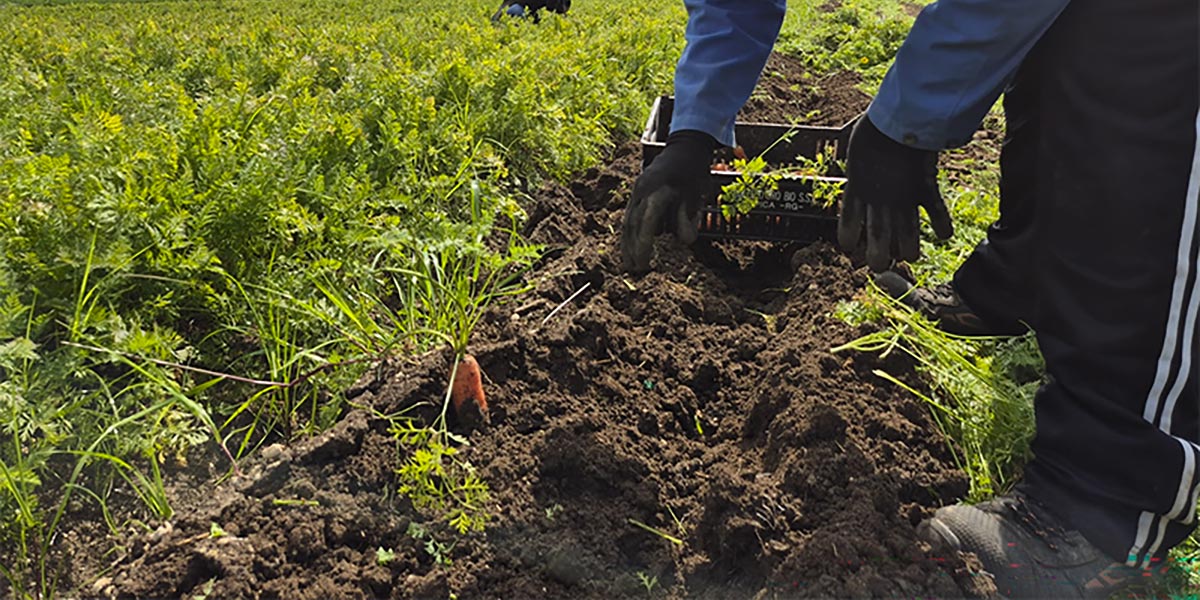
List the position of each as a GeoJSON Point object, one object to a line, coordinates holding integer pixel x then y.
{"type": "Point", "coordinates": [468, 385]}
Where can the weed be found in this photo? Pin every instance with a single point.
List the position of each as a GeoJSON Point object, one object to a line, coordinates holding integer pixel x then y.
{"type": "Point", "coordinates": [649, 582]}
{"type": "Point", "coordinates": [59, 408]}
{"type": "Point", "coordinates": [439, 551]}
{"type": "Point", "coordinates": [383, 556]}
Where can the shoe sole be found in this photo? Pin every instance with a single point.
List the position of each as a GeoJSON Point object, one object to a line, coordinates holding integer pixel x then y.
{"type": "Point", "coordinates": [943, 541]}
{"type": "Point", "coordinates": [935, 533]}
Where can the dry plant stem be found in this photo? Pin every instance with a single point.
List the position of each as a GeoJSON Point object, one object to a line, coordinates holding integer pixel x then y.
{"type": "Point", "coordinates": [440, 424]}
{"type": "Point", "coordinates": [566, 302]}
{"type": "Point", "coordinates": [655, 531]}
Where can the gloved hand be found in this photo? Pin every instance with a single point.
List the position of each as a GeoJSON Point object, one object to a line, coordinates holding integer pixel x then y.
{"type": "Point", "coordinates": [558, 6]}
{"type": "Point", "coordinates": [886, 182]}
{"type": "Point", "coordinates": [668, 196]}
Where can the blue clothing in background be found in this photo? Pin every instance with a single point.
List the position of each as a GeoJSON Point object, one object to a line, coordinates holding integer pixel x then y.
{"type": "Point", "coordinates": [947, 75]}
{"type": "Point", "coordinates": [728, 42]}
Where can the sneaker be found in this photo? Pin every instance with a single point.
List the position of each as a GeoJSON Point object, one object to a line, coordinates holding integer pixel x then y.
{"type": "Point", "coordinates": [1027, 552]}
{"type": "Point", "coordinates": [942, 304]}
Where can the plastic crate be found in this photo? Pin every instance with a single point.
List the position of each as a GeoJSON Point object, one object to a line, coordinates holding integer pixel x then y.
{"type": "Point", "coordinates": [790, 213]}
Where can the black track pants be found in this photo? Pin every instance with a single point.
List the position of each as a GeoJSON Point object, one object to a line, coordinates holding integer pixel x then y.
{"type": "Point", "coordinates": [999, 267]}
{"type": "Point", "coordinates": [1098, 248]}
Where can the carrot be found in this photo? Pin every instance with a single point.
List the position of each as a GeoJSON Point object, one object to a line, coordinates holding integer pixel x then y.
{"type": "Point", "coordinates": [468, 385]}
{"type": "Point", "coordinates": [739, 152]}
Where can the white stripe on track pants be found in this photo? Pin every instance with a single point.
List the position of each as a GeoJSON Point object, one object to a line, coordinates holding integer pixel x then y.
{"type": "Point", "coordinates": [1098, 248]}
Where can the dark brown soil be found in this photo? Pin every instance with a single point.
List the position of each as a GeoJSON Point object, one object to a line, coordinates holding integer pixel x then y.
{"type": "Point", "coordinates": [980, 155]}
{"type": "Point", "coordinates": [788, 93]}
{"type": "Point", "coordinates": [701, 399]}
{"type": "Point", "coordinates": [912, 9]}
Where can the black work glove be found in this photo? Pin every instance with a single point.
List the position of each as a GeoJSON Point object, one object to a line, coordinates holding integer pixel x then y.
{"type": "Point", "coordinates": [668, 196]}
{"type": "Point", "coordinates": [886, 182]}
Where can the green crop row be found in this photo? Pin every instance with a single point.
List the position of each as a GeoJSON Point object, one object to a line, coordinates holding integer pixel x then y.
{"type": "Point", "coordinates": [275, 193]}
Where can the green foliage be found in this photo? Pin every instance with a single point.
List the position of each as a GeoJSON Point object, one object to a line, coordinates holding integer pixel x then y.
{"type": "Point", "coordinates": [214, 215]}
{"type": "Point", "coordinates": [649, 582]}
{"type": "Point", "coordinates": [58, 2]}
{"type": "Point", "coordinates": [446, 290]}
{"type": "Point", "coordinates": [757, 180]}
{"type": "Point", "coordinates": [65, 411]}
{"type": "Point", "coordinates": [285, 148]}
{"type": "Point", "coordinates": [974, 205]}
{"type": "Point", "coordinates": [981, 390]}
{"type": "Point", "coordinates": [754, 183]}
{"type": "Point", "coordinates": [859, 38]}
{"type": "Point", "coordinates": [383, 556]}
{"type": "Point", "coordinates": [859, 35]}
{"type": "Point", "coordinates": [826, 190]}
{"type": "Point", "coordinates": [439, 551]}
{"type": "Point", "coordinates": [436, 479]}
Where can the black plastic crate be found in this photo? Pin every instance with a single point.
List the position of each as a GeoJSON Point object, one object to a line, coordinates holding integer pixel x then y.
{"type": "Point", "coordinates": [790, 213]}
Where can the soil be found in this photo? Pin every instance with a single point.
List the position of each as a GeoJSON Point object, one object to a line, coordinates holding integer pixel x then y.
{"type": "Point", "coordinates": [701, 400]}
{"type": "Point", "coordinates": [980, 155]}
{"type": "Point", "coordinates": [788, 93]}
{"type": "Point", "coordinates": [912, 9]}
{"type": "Point", "coordinates": [830, 5]}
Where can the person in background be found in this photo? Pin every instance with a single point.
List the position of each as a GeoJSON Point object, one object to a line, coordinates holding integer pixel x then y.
{"type": "Point", "coordinates": [530, 8]}
{"type": "Point", "coordinates": [1096, 248]}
